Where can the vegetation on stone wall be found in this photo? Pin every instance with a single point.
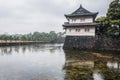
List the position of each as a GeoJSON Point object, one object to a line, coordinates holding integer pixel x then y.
{"type": "Point", "coordinates": [110, 24]}
{"type": "Point", "coordinates": [36, 36]}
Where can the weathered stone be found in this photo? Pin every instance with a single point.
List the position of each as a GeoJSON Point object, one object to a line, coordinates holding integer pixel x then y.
{"type": "Point", "coordinates": [91, 43]}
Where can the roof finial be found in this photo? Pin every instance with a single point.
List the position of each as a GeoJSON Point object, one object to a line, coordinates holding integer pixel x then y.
{"type": "Point", "coordinates": [80, 5]}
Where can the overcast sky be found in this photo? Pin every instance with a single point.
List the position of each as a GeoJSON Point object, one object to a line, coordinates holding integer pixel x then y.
{"type": "Point", "coordinates": [24, 16]}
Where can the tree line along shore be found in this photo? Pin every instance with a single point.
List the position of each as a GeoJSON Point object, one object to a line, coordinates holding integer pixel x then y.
{"type": "Point", "coordinates": [52, 36]}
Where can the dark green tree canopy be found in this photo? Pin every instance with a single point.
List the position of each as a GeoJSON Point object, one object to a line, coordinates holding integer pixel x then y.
{"type": "Point", "coordinates": [114, 10]}
{"type": "Point", "coordinates": [36, 36]}
{"type": "Point", "coordinates": [110, 24]}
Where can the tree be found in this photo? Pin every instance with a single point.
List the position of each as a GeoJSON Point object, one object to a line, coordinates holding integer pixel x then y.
{"type": "Point", "coordinates": [114, 10]}
{"type": "Point", "coordinates": [5, 37]}
{"type": "Point", "coordinates": [113, 14]}
{"type": "Point", "coordinates": [110, 25]}
{"type": "Point", "coordinates": [104, 24]}
{"type": "Point", "coordinates": [36, 36]}
{"type": "Point", "coordinates": [52, 35]}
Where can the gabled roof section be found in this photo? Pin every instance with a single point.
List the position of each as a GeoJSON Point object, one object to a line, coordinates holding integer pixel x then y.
{"type": "Point", "coordinates": [81, 10]}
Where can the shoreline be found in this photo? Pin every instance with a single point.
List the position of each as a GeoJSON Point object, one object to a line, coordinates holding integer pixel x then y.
{"type": "Point", "coordinates": [2, 44]}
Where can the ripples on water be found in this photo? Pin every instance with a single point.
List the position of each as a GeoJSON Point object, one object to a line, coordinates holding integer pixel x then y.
{"type": "Point", "coordinates": [51, 62]}
{"type": "Point", "coordinates": [33, 62]}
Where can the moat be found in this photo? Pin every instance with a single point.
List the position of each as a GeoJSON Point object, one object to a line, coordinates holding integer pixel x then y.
{"type": "Point", "coordinates": [51, 62]}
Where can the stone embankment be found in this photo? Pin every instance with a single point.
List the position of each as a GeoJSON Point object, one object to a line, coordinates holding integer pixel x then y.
{"type": "Point", "coordinates": [91, 43]}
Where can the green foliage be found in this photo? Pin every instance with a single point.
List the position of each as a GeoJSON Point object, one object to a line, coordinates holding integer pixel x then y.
{"type": "Point", "coordinates": [36, 36]}
{"type": "Point", "coordinates": [110, 25]}
{"type": "Point", "coordinates": [78, 73]}
{"type": "Point", "coordinates": [113, 15]}
{"type": "Point", "coordinates": [4, 37]}
{"type": "Point", "coordinates": [114, 10]}
{"type": "Point", "coordinates": [105, 23]}
{"type": "Point", "coordinates": [112, 31]}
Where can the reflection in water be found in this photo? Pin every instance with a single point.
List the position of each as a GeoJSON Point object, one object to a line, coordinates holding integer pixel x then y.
{"type": "Point", "coordinates": [86, 65]}
{"type": "Point", "coordinates": [32, 62]}
{"type": "Point", "coordinates": [113, 65]}
{"type": "Point", "coordinates": [31, 48]}
{"type": "Point", "coordinates": [50, 62]}
{"type": "Point", "coordinates": [97, 76]}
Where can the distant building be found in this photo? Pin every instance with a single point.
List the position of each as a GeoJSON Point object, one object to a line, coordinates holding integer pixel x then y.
{"type": "Point", "coordinates": [80, 23]}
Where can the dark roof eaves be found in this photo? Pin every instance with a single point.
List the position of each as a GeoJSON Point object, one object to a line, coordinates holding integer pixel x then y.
{"type": "Point", "coordinates": [80, 24]}
{"type": "Point", "coordinates": [78, 15]}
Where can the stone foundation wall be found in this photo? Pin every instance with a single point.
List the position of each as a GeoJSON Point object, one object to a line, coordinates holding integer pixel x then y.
{"type": "Point", "coordinates": [92, 43]}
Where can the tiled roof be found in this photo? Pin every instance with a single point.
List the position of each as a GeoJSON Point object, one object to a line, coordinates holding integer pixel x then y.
{"type": "Point", "coordinates": [81, 12]}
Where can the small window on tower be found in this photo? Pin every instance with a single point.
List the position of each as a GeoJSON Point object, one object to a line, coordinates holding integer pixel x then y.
{"type": "Point", "coordinates": [77, 30]}
{"type": "Point", "coordinates": [82, 19]}
{"type": "Point", "coordinates": [69, 30]}
{"type": "Point", "coordinates": [74, 20]}
{"type": "Point", "coordinates": [87, 29]}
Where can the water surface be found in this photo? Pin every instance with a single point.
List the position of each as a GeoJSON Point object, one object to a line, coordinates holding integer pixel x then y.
{"type": "Point", "coordinates": [33, 62]}
{"type": "Point", "coordinates": [51, 62]}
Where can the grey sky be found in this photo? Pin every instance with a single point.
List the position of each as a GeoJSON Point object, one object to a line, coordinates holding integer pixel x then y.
{"type": "Point", "coordinates": [24, 16]}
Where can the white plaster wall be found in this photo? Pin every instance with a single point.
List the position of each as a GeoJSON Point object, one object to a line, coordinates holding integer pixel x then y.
{"type": "Point", "coordinates": [81, 32]}
{"type": "Point", "coordinates": [81, 20]}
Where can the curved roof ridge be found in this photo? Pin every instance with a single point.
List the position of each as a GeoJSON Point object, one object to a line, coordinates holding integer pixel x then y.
{"type": "Point", "coordinates": [81, 10]}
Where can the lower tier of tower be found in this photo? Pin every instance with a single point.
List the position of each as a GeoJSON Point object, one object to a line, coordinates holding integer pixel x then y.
{"type": "Point", "coordinates": [80, 31]}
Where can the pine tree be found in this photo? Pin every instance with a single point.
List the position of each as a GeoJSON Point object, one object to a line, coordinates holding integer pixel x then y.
{"type": "Point", "coordinates": [114, 10]}
{"type": "Point", "coordinates": [113, 14]}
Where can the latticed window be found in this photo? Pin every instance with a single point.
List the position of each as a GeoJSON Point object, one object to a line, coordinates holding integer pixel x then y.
{"type": "Point", "coordinates": [82, 19]}
{"type": "Point", "coordinates": [77, 30]}
{"type": "Point", "coordinates": [73, 20]}
{"type": "Point", "coordinates": [87, 29]}
{"type": "Point", "coordinates": [69, 30]}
